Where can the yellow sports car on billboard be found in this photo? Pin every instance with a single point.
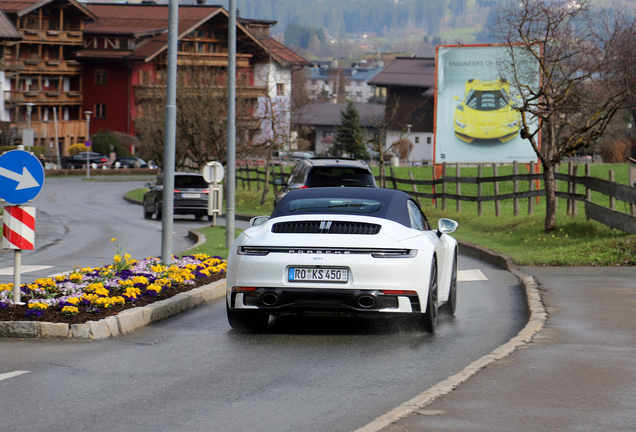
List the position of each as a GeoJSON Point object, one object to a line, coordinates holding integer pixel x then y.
{"type": "Point", "coordinates": [487, 112]}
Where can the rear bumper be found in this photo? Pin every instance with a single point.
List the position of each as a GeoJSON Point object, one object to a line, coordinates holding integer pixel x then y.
{"type": "Point", "coordinates": [303, 301]}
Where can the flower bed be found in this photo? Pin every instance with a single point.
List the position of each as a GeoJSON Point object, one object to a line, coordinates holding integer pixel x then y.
{"type": "Point", "coordinates": [94, 293]}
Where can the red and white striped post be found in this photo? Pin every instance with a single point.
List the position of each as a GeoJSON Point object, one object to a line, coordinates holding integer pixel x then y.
{"type": "Point", "coordinates": [18, 233]}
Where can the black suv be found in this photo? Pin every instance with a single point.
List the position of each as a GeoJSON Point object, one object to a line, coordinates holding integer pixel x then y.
{"type": "Point", "coordinates": [190, 196]}
{"type": "Point", "coordinates": [325, 172]}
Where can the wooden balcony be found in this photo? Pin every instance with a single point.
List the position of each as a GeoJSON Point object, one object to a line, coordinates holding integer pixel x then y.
{"type": "Point", "coordinates": [145, 92]}
{"type": "Point", "coordinates": [211, 59]}
{"type": "Point", "coordinates": [69, 132]}
{"type": "Point", "coordinates": [50, 97]}
{"type": "Point", "coordinates": [58, 37]}
{"type": "Point", "coordinates": [40, 67]}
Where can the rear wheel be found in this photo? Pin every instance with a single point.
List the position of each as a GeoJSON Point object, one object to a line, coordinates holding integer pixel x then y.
{"type": "Point", "coordinates": [451, 304]}
{"type": "Point", "coordinates": [199, 216]}
{"type": "Point", "coordinates": [428, 320]}
{"type": "Point", "coordinates": [158, 211]}
{"type": "Point", "coordinates": [147, 214]}
{"type": "Point", "coordinates": [247, 321]}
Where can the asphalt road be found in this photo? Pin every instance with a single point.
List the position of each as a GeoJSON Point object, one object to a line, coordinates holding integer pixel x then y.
{"type": "Point", "coordinates": [192, 372]}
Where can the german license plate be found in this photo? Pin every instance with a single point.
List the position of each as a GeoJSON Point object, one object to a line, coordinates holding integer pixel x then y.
{"type": "Point", "coordinates": [304, 274]}
{"type": "Point", "coordinates": [190, 195]}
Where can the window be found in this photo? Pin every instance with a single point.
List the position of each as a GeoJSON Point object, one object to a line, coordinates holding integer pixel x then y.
{"type": "Point", "coordinates": [100, 110]}
{"type": "Point", "coordinates": [334, 206]}
{"type": "Point", "coordinates": [327, 134]}
{"type": "Point", "coordinates": [54, 24]}
{"type": "Point", "coordinates": [101, 76]}
{"type": "Point", "coordinates": [280, 89]}
{"type": "Point", "coordinates": [419, 114]}
{"type": "Point", "coordinates": [428, 140]}
{"type": "Point", "coordinates": [417, 140]}
{"type": "Point", "coordinates": [144, 77]}
{"type": "Point", "coordinates": [418, 220]}
{"type": "Point", "coordinates": [126, 44]}
{"type": "Point", "coordinates": [31, 23]}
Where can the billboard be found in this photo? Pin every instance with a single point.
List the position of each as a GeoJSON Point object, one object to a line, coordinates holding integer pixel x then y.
{"type": "Point", "coordinates": [475, 116]}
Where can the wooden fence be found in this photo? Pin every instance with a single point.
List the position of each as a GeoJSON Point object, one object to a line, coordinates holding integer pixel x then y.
{"type": "Point", "coordinates": [249, 173]}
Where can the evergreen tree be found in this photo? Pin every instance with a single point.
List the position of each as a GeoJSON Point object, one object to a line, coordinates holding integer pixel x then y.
{"type": "Point", "coordinates": [349, 139]}
{"type": "Point", "coordinates": [105, 142]}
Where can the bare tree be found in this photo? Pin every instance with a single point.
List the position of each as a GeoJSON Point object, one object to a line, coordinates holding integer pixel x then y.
{"type": "Point", "coordinates": [583, 76]}
{"type": "Point", "coordinates": [201, 116]}
{"type": "Point", "coordinates": [378, 143]}
{"type": "Point", "coordinates": [8, 134]}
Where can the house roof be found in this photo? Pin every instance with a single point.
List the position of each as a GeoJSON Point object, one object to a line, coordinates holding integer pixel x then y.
{"type": "Point", "coordinates": [356, 74]}
{"type": "Point", "coordinates": [329, 114]}
{"type": "Point", "coordinates": [282, 53]}
{"type": "Point", "coordinates": [7, 29]}
{"type": "Point", "coordinates": [407, 72]}
{"type": "Point", "coordinates": [152, 19]}
{"type": "Point", "coordinates": [23, 7]}
{"type": "Point", "coordinates": [123, 18]}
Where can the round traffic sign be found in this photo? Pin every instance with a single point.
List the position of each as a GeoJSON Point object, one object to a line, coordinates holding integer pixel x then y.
{"type": "Point", "coordinates": [21, 176]}
{"type": "Point", "coordinates": [213, 170]}
{"type": "Point", "coordinates": [87, 143]}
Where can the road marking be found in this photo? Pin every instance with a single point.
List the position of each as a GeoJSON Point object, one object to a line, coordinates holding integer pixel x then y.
{"type": "Point", "coordinates": [12, 374]}
{"type": "Point", "coordinates": [25, 269]}
{"type": "Point", "coordinates": [470, 276]}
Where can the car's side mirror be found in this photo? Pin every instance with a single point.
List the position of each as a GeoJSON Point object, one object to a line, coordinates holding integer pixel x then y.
{"type": "Point", "coordinates": [446, 226]}
{"type": "Point", "coordinates": [456, 98]}
{"type": "Point", "coordinates": [278, 181]}
{"type": "Point", "coordinates": [258, 220]}
{"type": "Point", "coordinates": [147, 185]}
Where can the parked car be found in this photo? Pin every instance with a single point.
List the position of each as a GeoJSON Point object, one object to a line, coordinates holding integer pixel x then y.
{"type": "Point", "coordinates": [79, 160]}
{"type": "Point", "coordinates": [190, 196]}
{"type": "Point", "coordinates": [343, 252]}
{"type": "Point", "coordinates": [131, 162]}
{"type": "Point", "coordinates": [325, 172]}
{"type": "Point", "coordinates": [487, 112]}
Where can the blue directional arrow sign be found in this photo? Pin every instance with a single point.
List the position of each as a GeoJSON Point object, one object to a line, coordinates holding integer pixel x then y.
{"type": "Point", "coordinates": [21, 177]}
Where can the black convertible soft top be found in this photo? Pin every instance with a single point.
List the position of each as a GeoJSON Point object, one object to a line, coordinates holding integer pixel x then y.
{"type": "Point", "coordinates": [393, 201]}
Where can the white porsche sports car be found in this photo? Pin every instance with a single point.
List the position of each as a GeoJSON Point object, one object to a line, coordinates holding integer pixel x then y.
{"type": "Point", "coordinates": [342, 251]}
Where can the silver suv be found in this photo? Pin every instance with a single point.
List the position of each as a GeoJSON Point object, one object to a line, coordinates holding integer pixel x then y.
{"type": "Point", "coordinates": [325, 172]}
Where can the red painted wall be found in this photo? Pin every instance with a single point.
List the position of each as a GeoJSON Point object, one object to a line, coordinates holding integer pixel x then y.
{"type": "Point", "coordinates": [114, 95]}
{"type": "Point", "coordinates": [135, 73]}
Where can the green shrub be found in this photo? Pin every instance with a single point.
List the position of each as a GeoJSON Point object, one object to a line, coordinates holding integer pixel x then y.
{"type": "Point", "coordinates": [105, 142]}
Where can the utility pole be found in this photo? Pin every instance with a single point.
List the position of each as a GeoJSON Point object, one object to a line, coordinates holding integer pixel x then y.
{"type": "Point", "coordinates": [231, 127]}
{"type": "Point", "coordinates": [167, 221]}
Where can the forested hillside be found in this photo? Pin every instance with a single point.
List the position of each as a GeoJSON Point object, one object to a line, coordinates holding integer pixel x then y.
{"type": "Point", "coordinates": [351, 16]}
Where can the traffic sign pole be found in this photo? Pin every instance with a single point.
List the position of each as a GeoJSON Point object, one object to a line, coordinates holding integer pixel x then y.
{"type": "Point", "coordinates": [213, 173]}
{"type": "Point", "coordinates": [17, 269]}
{"type": "Point", "coordinates": [18, 232]}
{"type": "Point", "coordinates": [88, 145]}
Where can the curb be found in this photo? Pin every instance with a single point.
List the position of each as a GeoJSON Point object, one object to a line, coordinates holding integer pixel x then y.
{"type": "Point", "coordinates": [124, 322]}
{"type": "Point", "coordinates": [538, 316]}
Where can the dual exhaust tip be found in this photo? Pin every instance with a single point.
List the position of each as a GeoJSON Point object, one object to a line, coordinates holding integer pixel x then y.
{"type": "Point", "coordinates": [365, 301]}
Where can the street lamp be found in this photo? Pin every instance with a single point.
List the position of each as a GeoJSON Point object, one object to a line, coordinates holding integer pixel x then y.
{"type": "Point", "coordinates": [88, 137]}
{"type": "Point", "coordinates": [408, 134]}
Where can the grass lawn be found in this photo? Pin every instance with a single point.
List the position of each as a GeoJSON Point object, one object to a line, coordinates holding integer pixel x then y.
{"type": "Point", "coordinates": [214, 242]}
